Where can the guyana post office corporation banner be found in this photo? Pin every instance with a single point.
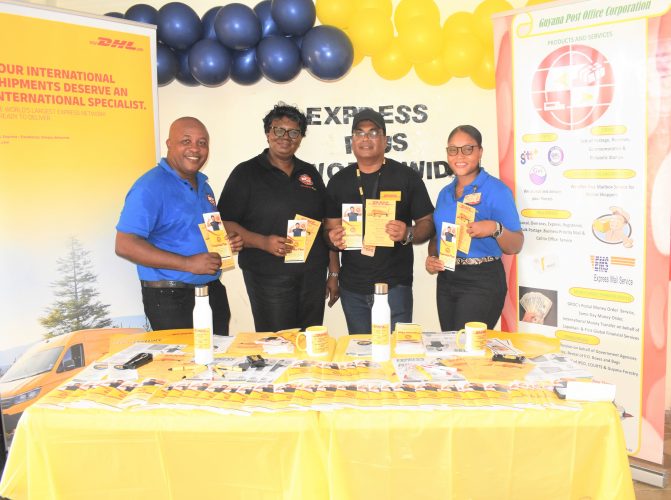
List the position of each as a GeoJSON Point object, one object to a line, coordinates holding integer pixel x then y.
{"type": "Point", "coordinates": [584, 101]}
{"type": "Point", "coordinates": [77, 126]}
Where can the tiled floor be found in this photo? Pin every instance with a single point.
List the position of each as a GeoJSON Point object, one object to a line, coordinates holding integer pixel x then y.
{"type": "Point", "coordinates": [645, 491]}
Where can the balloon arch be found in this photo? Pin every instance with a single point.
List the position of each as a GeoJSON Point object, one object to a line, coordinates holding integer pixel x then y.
{"type": "Point", "coordinates": [277, 38]}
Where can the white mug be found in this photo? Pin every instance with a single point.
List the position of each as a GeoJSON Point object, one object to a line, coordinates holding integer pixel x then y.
{"type": "Point", "coordinates": [476, 336]}
{"type": "Point", "coordinates": [316, 341]}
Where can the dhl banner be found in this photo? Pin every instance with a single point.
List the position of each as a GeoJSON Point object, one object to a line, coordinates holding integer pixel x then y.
{"type": "Point", "coordinates": [77, 127]}
{"type": "Point", "coordinates": [584, 111]}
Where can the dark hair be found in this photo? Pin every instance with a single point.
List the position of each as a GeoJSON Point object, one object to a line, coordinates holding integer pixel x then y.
{"type": "Point", "coordinates": [467, 129]}
{"type": "Point", "coordinates": [283, 110]}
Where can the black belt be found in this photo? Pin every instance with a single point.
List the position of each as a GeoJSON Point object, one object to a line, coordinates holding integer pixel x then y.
{"type": "Point", "coordinates": [166, 284]}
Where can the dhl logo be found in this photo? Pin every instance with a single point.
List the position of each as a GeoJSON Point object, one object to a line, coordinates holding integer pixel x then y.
{"type": "Point", "coordinates": [115, 43]}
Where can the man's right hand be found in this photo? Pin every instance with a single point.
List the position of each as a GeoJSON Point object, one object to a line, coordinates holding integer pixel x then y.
{"type": "Point", "coordinates": [203, 263]}
{"type": "Point", "coordinates": [337, 237]}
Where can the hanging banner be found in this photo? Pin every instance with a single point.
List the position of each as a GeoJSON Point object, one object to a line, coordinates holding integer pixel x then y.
{"type": "Point", "coordinates": [584, 101]}
{"type": "Point", "coordinates": [78, 125]}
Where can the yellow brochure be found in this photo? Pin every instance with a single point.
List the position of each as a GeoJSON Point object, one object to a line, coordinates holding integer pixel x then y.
{"type": "Point", "coordinates": [296, 231]}
{"type": "Point", "coordinates": [352, 222]}
{"type": "Point", "coordinates": [217, 241]}
{"type": "Point", "coordinates": [449, 236]}
{"type": "Point", "coordinates": [465, 215]}
{"type": "Point", "coordinates": [312, 232]}
{"type": "Point", "coordinates": [378, 213]}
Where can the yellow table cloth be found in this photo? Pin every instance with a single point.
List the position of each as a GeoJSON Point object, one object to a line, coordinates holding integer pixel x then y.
{"type": "Point", "coordinates": [470, 453]}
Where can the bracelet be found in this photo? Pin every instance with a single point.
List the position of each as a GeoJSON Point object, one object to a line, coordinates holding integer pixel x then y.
{"type": "Point", "coordinates": [332, 274]}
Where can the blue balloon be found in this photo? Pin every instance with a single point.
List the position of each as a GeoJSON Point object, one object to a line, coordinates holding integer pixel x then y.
{"type": "Point", "coordinates": [278, 58]}
{"type": "Point", "coordinates": [114, 14]}
{"type": "Point", "coordinates": [237, 26]}
{"type": "Point", "coordinates": [142, 13]}
{"type": "Point", "coordinates": [208, 23]}
{"type": "Point", "coordinates": [166, 65]}
{"type": "Point", "coordinates": [178, 25]}
{"type": "Point", "coordinates": [268, 24]}
{"type": "Point", "coordinates": [293, 17]}
{"type": "Point", "coordinates": [210, 62]}
{"type": "Point", "coordinates": [184, 75]}
{"type": "Point", "coordinates": [244, 69]}
{"type": "Point", "coordinates": [327, 52]}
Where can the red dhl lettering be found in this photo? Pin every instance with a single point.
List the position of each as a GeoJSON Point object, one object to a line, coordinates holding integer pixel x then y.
{"type": "Point", "coordinates": [116, 44]}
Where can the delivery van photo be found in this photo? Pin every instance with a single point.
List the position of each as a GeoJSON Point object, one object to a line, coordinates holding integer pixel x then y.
{"type": "Point", "coordinates": [46, 365]}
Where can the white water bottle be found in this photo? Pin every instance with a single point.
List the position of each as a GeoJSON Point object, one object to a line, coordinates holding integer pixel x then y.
{"type": "Point", "coordinates": [381, 324]}
{"type": "Point", "coordinates": [202, 328]}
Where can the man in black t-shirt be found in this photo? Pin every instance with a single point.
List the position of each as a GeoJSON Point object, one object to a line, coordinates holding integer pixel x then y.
{"type": "Point", "coordinates": [371, 177]}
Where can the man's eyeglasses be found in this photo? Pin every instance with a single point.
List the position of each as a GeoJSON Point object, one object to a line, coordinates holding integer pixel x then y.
{"type": "Point", "coordinates": [293, 133]}
{"type": "Point", "coordinates": [465, 150]}
{"type": "Point", "coordinates": [371, 134]}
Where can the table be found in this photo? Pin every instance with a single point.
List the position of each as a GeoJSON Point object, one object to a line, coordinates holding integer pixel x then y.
{"type": "Point", "coordinates": [165, 453]}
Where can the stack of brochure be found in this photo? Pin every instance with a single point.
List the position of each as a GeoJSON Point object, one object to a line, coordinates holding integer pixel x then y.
{"type": "Point", "coordinates": [274, 344]}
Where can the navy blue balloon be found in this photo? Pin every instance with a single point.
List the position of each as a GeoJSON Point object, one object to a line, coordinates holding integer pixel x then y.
{"type": "Point", "coordinates": [114, 14]}
{"type": "Point", "coordinates": [208, 23]}
{"type": "Point", "coordinates": [178, 25]}
{"type": "Point", "coordinates": [142, 13]}
{"type": "Point", "coordinates": [268, 24]}
{"type": "Point", "coordinates": [210, 62]}
{"type": "Point", "coordinates": [184, 75]}
{"type": "Point", "coordinates": [327, 52]}
{"type": "Point", "coordinates": [244, 69]}
{"type": "Point", "coordinates": [293, 17]}
{"type": "Point", "coordinates": [166, 65]}
{"type": "Point", "coordinates": [278, 58]}
{"type": "Point", "coordinates": [237, 26]}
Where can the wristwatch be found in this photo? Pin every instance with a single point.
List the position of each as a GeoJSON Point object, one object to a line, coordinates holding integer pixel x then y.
{"type": "Point", "coordinates": [332, 274]}
{"type": "Point", "coordinates": [498, 231]}
{"type": "Point", "coordinates": [409, 236]}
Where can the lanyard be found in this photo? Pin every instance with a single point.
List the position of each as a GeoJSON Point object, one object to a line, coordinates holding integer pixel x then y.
{"type": "Point", "coordinates": [376, 185]}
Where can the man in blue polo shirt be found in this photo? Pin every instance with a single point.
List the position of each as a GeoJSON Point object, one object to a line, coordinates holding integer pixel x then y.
{"type": "Point", "coordinates": [158, 231]}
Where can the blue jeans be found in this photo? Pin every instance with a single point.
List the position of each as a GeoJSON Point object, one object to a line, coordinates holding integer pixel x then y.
{"type": "Point", "coordinates": [357, 306]}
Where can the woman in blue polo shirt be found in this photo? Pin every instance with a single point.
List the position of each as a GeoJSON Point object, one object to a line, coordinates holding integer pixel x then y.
{"type": "Point", "coordinates": [476, 289]}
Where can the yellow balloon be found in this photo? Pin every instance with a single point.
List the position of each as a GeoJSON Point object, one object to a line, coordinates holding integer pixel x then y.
{"type": "Point", "coordinates": [383, 5]}
{"type": "Point", "coordinates": [462, 54]}
{"type": "Point", "coordinates": [421, 41]}
{"type": "Point", "coordinates": [336, 13]}
{"type": "Point", "coordinates": [391, 64]}
{"type": "Point", "coordinates": [460, 23]}
{"type": "Point", "coordinates": [407, 9]}
{"type": "Point", "coordinates": [370, 31]}
{"type": "Point", "coordinates": [483, 18]}
{"type": "Point", "coordinates": [484, 76]}
{"type": "Point", "coordinates": [358, 57]}
{"type": "Point", "coordinates": [433, 72]}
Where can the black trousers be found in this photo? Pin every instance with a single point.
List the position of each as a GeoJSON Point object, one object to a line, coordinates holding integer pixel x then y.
{"type": "Point", "coordinates": [471, 293]}
{"type": "Point", "coordinates": [170, 308]}
{"type": "Point", "coordinates": [286, 301]}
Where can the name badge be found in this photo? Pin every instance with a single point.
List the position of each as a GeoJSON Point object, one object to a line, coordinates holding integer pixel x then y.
{"type": "Point", "coordinates": [472, 199]}
{"type": "Point", "coordinates": [390, 195]}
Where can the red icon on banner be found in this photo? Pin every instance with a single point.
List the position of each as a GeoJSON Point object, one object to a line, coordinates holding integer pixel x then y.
{"type": "Point", "coordinates": [573, 87]}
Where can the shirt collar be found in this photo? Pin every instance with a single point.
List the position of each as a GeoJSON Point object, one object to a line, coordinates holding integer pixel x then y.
{"type": "Point", "coordinates": [200, 176]}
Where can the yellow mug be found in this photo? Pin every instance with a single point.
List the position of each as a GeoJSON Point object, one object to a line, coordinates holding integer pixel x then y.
{"type": "Point", "coordinates": [316, 341]}
{"type": "Point", "coordinates": [476, 336]}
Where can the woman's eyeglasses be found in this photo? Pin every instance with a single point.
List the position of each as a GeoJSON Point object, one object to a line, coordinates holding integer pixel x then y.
{"type": "Point", "coordinates": [465, 150]}
{"type": "Point", "coordinates": [293, 133]}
